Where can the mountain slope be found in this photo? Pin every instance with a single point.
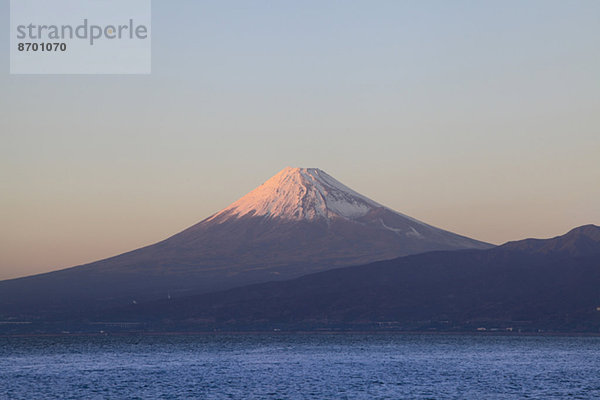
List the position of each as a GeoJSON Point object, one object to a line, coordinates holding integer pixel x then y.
{"type": "Point", "coordinates": [503, 287]}
{"type": "Point", "coordinates": [298, 222]}
{"type": "Point", "coordinates": [580, 241]}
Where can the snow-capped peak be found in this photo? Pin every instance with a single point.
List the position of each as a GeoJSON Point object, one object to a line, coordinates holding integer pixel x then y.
{"type": "Point", "coordinates": [301, 193]}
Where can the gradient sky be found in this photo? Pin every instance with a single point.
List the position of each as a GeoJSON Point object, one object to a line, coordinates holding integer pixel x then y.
{"type": "Point", "coordinates": [482, 118]}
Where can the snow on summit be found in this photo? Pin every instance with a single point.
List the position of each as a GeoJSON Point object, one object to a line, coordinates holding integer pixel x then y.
{"type": "Point", "coordinates": [301, 194]}
{"type": "Point", "coordinates": [311, 195]}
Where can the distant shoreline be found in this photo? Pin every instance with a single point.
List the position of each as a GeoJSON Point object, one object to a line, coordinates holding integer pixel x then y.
{"type": "Point", "coordinates": [283, 332]}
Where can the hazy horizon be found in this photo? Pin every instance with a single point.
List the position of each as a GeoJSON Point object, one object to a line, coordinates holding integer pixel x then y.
{"type": "Point", "coordinates": [478, 118]}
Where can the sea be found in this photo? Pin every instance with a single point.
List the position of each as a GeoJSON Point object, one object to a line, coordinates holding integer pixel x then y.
{"type": "Point", "coordinates": [300, 366]}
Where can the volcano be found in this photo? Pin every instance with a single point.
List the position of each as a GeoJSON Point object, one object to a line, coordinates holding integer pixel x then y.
{"type": "Point", "coordinates": [300, 221]}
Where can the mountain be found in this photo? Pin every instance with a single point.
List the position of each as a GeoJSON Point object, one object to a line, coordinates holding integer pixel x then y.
{"type": "Point", "coordinates": [300, 221]}
{"type": "Point", "coordinates": [580, 241]}
{"type": "Point", "coordinates": [551, 284]}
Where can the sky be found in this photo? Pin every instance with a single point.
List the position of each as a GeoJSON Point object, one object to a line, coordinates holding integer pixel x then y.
{"type": "Point", "coordinates": [477, 117]}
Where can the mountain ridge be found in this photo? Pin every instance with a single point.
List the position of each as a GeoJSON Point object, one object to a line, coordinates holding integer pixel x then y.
{"type": "Point", "coordinates": [577, 241]}
{"type": "Point", "coordinates": [499, 288]}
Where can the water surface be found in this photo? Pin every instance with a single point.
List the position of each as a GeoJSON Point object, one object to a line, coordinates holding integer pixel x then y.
{"type": "Point", "coordinates": [296, 366]}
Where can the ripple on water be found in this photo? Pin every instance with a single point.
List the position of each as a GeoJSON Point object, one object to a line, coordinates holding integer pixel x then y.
{"type": "Point", "coordinates": [300, 366]}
